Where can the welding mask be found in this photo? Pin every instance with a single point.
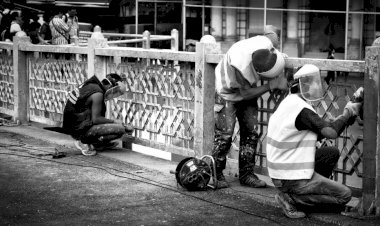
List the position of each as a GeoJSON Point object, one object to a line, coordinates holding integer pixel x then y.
{"type": "Point", "coordinates": [117, 89]}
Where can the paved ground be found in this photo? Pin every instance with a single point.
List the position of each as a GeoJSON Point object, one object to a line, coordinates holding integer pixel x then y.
{"type": "Point", "coordinates": [119, 187]}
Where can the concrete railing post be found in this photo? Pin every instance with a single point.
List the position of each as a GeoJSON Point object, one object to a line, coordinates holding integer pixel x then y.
{"type": "Point", "coordinates": [21, 80]}
{"type": "Point", "coordinates": [370, 203]}
{"type": "Point", "coordinates": [96, 65]}
{"type": "Point", "coordinates": [204, 100]}
{"type": "Point", "coordinates": [174, 40]}
{"type": "Point", "coordinates": [146, 40]}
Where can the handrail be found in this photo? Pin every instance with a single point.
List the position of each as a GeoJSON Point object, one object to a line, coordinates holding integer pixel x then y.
{"type": "Point", "coordinates": [53, 48]}
{"type": "Point", "coordinates": [322, 64]}
{"type": "Point", "coordinates": [164, 54]}
{"type": "Point", "coordinates": [6, 45]}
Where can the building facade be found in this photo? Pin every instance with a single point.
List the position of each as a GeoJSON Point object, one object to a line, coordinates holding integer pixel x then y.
{"type": "Point", "coordinates": [308, 28]}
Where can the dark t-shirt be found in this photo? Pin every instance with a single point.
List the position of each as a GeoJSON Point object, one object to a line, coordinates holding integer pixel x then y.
{"type": "Point", "coordinates": [77, 117]}
{"type": "Point", "coordinates": [45, 30]}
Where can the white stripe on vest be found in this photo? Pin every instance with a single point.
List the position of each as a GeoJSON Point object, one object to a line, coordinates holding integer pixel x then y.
{"type": "Point", "coordinates": [290, 152]}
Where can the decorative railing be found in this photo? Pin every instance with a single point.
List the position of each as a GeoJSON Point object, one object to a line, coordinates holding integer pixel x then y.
{"type": "Point", "coordinates": [7, 101]}
{"type": "Point", "coordinates": [171, 94]}
{"type": "Point", "coordinates": [145, 40]}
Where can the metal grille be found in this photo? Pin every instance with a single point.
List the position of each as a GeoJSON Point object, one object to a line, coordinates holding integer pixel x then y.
{"type": "Point", "coordinates": [159, 102]}
{"type": "Point", "coordinates": [6, 83]}
{"type": "Point", "coordinates": [49, 82]}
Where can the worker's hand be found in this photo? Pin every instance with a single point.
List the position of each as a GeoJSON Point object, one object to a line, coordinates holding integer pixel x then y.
{"type": "Point", "coordinates": [280, 83]}
{"type": "Point", "coordinates": [353, 108]}
{"type": "Point", "coordinates": [123, 86]}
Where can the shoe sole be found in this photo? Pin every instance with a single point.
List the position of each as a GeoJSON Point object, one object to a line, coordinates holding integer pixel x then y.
{"type": "Point", "coordinates": [91, 154]}
{"type": "Point", "coordinates": [279, 202]}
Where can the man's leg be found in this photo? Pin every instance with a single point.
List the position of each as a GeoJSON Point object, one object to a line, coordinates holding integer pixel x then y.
{"type": "Point", "coordinates": [103, 133]}
{"type": "Point", "coordinates": [318, 191]}
{"type": "Point", "coordinates": [225, 119]}
{"type": "Point", "coordinates": [247, 117]}
{"type": "Point", "coordinates": [326, 159]}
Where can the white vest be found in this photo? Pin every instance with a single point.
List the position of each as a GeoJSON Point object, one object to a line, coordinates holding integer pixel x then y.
{"type": "Point", "coordinates": [290, 152]}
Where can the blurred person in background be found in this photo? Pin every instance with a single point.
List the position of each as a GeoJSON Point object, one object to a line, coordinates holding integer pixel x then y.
{"type": "Point", "coordinates": [72, 22]}
{"type": "Point", "coordinates": [59, 30]}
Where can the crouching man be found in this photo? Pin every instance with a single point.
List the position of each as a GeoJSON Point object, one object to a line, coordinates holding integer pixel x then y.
{"type": "Point", "coordinates": [298, 169]}
{"type": "Point", "coordinates": [84, 115]}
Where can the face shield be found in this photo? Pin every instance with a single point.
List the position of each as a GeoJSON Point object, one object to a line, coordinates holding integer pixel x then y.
{"type": "Point", "coordinates": [310, 84]}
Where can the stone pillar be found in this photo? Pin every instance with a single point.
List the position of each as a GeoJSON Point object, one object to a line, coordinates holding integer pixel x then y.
{"type": "Point", "coordinates": [216, 20]}
{"type": "Point", "coordinates": [21, 80]}
{"type": "Point", "coordinates": [204, 98]}
{"type": "Point", "coordinates": [175, 40]}
{"type": "Point", "coordinates": [146, 42]}
{"type": "Point", "coordinates": [231, 22]}
{"type": "Point", "coordinates": [291, 45]}
{"type": "Point", "coordinates": [356, 26]}
{"type": "Point", "coordinates": [96, 66]}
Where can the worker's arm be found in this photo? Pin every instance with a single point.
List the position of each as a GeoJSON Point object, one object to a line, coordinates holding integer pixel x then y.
{"type": "Point", "coordinates": [279, 82]}
{"type": "Point", "coordinates": [309, 120]}
{"type": "Point", "coordinates": [96, 109]}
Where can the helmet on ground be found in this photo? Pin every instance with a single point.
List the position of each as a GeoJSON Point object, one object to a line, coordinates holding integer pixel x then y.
{"type": "Point", "coordinates": [193, 174]}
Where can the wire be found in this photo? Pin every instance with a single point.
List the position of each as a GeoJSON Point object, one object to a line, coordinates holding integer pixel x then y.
{"type": "Point", "coordinates": [150, 182]}
{"type": "Point", "coordinates": [41, 155]}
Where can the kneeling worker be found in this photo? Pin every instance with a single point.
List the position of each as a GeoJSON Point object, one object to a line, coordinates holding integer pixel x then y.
{"type": "Point", "coordinates": [298, 169]}
{"type": "Point", "coordinates": [84, 116]}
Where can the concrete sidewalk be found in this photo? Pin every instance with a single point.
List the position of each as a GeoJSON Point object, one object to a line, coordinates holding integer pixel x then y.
{"type": "Point", "coordinates": [265, 196]}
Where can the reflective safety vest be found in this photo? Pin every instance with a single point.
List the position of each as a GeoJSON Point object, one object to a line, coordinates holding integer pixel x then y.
{"type": "Point", "coordinates": [290, 152]}
{"type": "Point", "coordinates": [239, 57]}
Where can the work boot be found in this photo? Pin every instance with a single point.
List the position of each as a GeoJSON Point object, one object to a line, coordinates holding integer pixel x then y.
{"type": "Point", "coordinates": [221, 181]}
{"type": "Point", "coordinates": [251, 180]}
{"type": "Point", "coordinates": [286, 204]}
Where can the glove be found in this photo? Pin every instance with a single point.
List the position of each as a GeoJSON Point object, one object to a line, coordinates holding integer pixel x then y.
{"type": "Point", "coordinates": [123, 86]}
{"type": "Point", "coordinates": [353, 108]}
{"type": "Point", "coordinates": [128, 128]}
{"type": "Point", "coordinates": [280, 83]}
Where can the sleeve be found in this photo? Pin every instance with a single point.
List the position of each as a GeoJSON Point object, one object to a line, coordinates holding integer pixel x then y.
{"type": "Point", "coordinates": [309, 120]}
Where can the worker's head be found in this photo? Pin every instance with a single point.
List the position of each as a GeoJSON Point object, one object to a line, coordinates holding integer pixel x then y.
{"type": "Point", "coordinates": [268, 63]}
{"type": "Point", "coordinates": [111, 80]}
{"type": "Point", "coordinates": [307, 82]}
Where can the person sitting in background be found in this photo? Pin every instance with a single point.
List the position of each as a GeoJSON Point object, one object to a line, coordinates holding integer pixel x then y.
{"type": "Point", "coordinates": [72, 21]}
{"type": "Point", "coordinates": [15, 25]}
{"type": "Point", "coordinates": [44, 31]}
{"type": "Point", "coordinates": [298, 169]}
{"type": "Point", "coordinates": [84, 116]}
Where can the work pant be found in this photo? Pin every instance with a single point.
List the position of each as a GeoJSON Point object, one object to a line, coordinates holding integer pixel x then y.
{"type": "Point", "coordinates": [319, 190]}
{"type": "Point", "coordinates": [225, 120]}
{"type": "Point", "coordinates": [103, 133]}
